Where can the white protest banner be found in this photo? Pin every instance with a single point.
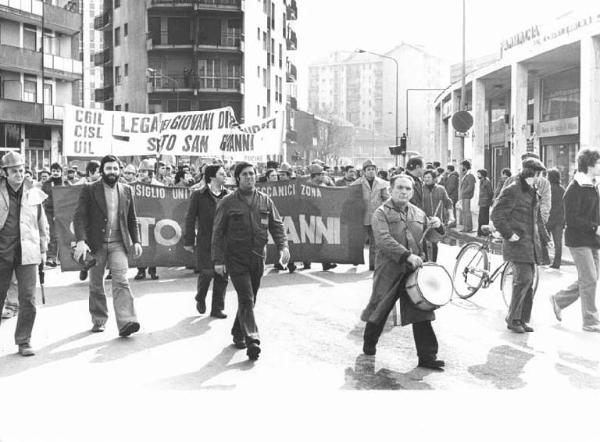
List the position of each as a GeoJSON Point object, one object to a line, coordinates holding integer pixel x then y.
{"type": "Point", "coordinates": [211, 134]}
{"type": "Point", "coordinates": [87, 132]}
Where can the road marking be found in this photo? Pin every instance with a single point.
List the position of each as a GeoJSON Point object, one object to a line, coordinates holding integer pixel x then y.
{"type": "Point", "coordinates": [319, 279]}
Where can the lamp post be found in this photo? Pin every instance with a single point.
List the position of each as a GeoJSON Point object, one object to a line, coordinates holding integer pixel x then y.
{"type": "Point", "coordinates": [155, 74]}
{"type": "Point", "coordinates": [362, 51]}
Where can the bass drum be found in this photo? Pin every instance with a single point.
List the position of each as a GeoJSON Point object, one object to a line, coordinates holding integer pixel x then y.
{"type": "Point", "coordinates": [429, 287]}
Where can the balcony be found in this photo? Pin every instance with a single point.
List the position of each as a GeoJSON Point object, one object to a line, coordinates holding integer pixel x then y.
{"type": "Point", "coordinates": [292, 41]}
{"type": "Point", "coordinates": [218, 5]}
{"type": "Point", "coordinates": [229, 42]}
{"type": "Point", "coordinates": [20, 60]}
{"type": "Point", "coordinates": [292, 72]}
{"type": "Point", "coordinates": [65, 68]}
{"type": "Point", "coordinates": [17, 111]}
{"type": "Point", "coordinates": [103, 21]}
{"type": "Point", "coordinates": [28, 11]}
{"type": "Point", "coordinates": [220, 84]}
{"type": "Point", "coordinates": [172, 4]}
{"type": "Point", "coordinates": [103, 58]}
{"type": "Point", "coordinates": [103, 95]}
{"type": "Point", "coordinates": [171, 83]}
{"type": "Point", "coordinates": [62, 16]}
{"type": "Point", "coordinates": [56, 113]}
{"type": "Point", "coordinates": [292, 10]}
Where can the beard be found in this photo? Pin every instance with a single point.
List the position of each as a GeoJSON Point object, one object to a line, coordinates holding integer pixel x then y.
{"type": "Point", "coordinates": [110, 178]}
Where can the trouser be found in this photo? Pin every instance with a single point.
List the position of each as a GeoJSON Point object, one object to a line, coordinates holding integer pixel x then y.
{"type": "Point", "coordinates": [557, 238]}
{"type": "Point", "coordinates": [522, 293]}
{"type": "Point", "coordinates": [219, 287]}
{"type": "Point", "coordinates": [246, 281]}
{"type": "Point", "coordinates": [431, 251]}
{"type": "Point", "coordinates": [150, 269]}
{"type": "Point", "coordinates": [425, 340]}
{"type": "Point", "coordinates": [466, 216]}
{"type": "Point", "coordinates": [52, 252]}
{"type": "Point", "coordinates": [587, 264]}
{"type": "Point", "coordinates": [483, 219]}
{"type": "Point", "coordinates": [12, 296]}
{"type": "Point", "coordinates": [370, 238]}
{"type": "Point", "coordinates": [26, 281]}
{"type": "Point", "coordinates": [113, 256]}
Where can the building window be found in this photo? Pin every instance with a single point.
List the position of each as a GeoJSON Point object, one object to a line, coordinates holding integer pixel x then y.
{"type": "Point", "coordinates": [118, 78]}
{"type": "Point", "coordinates": [118, 107]}
{"type": "Point", "coordinates": [258, 71]}
{"type": "Point", "coordinates": [126, 107]}
{"type": "Point", "coordinates": [126, 70]}
{"type": "Point", "coordinates": [29, 38]}
{"type": "Point", "coordinates": [265, 7]}
{"type": "Point", "coordinates": [30, 89]}
{"type": "Point", "coordinates": [272, 15]}
{"type": "Point", "coordinates": [258, 110]}
{"type": "Point", "coordinates": [264, 112]}
{"type": "Point", "coordinates": [117, 3]}
{"type": "Point", "coordinates": [154, 105]}
{"type": "Point", "coordinates": [280, 56]}
{"type": "Point", "coordinates": [179, 31]}
{"type": "Point", "coordinates": [117, 36]}
{"type": "Point", "coordinates": [258, 33]}
{"type": "Point", "coordinates": [264, 77]}
{"type": "Point", "coordinates": [264, 41]}
{"type": "Point", "coordinates": [125, 30]}
{"type": "Point", "coordinates": [560, 95]}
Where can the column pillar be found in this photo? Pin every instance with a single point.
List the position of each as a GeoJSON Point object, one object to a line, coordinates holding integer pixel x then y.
{"type": "Point", "coordinates": [589, 117]}
{"type": "Point", "coordinates": [537, 106]}
{"type": "Point", "coordinates": [478, 124]}
{"type": "Point", "coordinates": [518, 113]}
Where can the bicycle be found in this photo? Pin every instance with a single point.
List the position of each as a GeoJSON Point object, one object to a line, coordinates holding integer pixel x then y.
{"type": "Point", "coordinates": [472, 269]}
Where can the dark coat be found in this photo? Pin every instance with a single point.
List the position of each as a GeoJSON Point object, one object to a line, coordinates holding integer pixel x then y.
{"type": "Point", "coordinates": [499, 187]}
{"type": "Point", "coordinates": [486, 194]}
{"type": "Point", "coordinates": [517, 212]}
{"type": "Point", "coordinates": [431, 199]}
{"type": "Point", "coordinates": [91, 216]}
{"type": "Point", "coordinates": [581, 213]}
{"type": "Point", "coordinates": [417, 198]}
{"type": "Point", "coordinates": [451, 185]}
{"type": "Point", "coordinates": [391, 269]}
{"type": "Point", "coordinates": [557, 210]}
{"type": "Point", "coordinates": [47, 188]}
{"type": "Point", "coordinates": [201, 215]}
{"type": "Point", "coordinates": [467, 186]}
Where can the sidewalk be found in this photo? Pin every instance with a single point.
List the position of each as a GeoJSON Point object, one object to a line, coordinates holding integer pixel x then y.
{"type": "Point", "coordinates": [454, 234]}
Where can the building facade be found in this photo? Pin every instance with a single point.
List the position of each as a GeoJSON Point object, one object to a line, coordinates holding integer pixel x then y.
{"type": "Point", "coordinates": [40, 71]}
{"type": "Point", "coordinates": [541, 95]}
{"type": "Point", "coordinates": [91, 44]}
{"type": "Point", "coordinates": [169, 55]}
{"type": "Point", "coordinates": [361, 88]}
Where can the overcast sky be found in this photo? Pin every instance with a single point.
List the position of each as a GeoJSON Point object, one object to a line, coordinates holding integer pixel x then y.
{"type": "Point", "coordinates": [378, 25]}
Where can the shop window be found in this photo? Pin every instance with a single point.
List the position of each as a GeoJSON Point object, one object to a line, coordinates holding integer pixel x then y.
{"type": "Point", "coordinates": [10, 135]}
{"type": "Point", "coordinates": [560, 95]}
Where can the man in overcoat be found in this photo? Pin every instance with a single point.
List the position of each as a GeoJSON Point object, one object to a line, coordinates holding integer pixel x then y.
{"type": "Point", "coordinates": [515, 216]}
{"type": "Point", "coordinates": [201, 215]}
{"type": "Point", "coordinates": [398, 227]}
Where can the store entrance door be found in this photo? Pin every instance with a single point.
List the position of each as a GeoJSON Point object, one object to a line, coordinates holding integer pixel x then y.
{"type": "Point", "coordinates": [563, 157]}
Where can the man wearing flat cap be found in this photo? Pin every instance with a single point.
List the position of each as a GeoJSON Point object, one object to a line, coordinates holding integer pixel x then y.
{"type": "Point", "coordinates": [375, 193]}
{"type": "Point", "coordinates": [515, 216]}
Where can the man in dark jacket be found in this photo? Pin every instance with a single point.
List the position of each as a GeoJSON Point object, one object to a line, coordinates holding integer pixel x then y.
{"type": "Point", "coordinates": [504, 175]}
{"type": "Point", "coordinates": [582, 214]}
{"type": "Point", "coordinates": [348, 178]}
{"type": "Point", "coordinates": [240, 233]}
{"type": "Point", "coordinates": [466, 191]}
{"type": "Point", "coordinates": [106, 225]}
{"type": "Point", "coordinates": [201, 214]}
{"type": "Point", "coordinates": [435, 203]}
{"type": "Point", "coordinates": [486, 198]}
{"type": "Point", "coordinates": [556, 221]}
{"type": "Point", "coordinates": [451, 182]}
{"type": "Point", "coordinates": [414, 169]}
{"type": "Point", "coordinates": [399, 227]}
{"type": "Point", "coordinates": [55, 180]}
{"type": "Point", "coordinates": [515, 217]}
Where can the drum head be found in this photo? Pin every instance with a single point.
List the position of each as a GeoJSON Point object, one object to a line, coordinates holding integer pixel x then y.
{"type": "Point", "coordinates": [435, 284]}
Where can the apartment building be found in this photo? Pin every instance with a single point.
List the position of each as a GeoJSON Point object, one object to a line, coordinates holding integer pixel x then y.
{"type": "Point", "coordinates": [170, 55]}
{"type": "Point", "coordinates": [361, 88]}
{"type": "Point", "coordinates": [92, 43]}
{"type": "Point", "coordinates": [40, 72]}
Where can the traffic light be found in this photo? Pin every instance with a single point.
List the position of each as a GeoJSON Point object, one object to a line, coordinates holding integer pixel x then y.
{"type": "Point", "coordinates": [401, 148]}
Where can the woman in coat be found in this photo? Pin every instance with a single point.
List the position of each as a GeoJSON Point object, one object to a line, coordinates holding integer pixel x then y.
{"type": "Point", "coordinates": [515, 216]}
{"type": "Point", "coordinates": [398, 227]}
{"type": "Point", "coordinates": [486, 198]}
{"type": "Point", "coordinates": [556, 221]}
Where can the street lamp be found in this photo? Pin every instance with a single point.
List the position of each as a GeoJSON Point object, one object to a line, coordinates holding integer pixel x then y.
{"type": "Point", "coordinates": [155, 74]}
{"type": "Point", "coordinates": [362, 51]}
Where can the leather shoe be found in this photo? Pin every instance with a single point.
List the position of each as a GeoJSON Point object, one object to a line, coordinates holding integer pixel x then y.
{"type": "Point", "coordinates": [201, 306]}
{"type": "Point", "coordinates": [239, 343]}
{"type": "Point", "coordinates": [153, 276]}
{"type": "Point", "coordinates": [141, 274]}
{"type": "Point", "coordinates": [83, 274]}
{"type": "Point", "coordinates": [329, 266]}
{"type": "Point", "coordinates": [292, 267]}
{"type": "Point", "coordinates": [26, 350]}
{"type": "Point", "coordinates": [516, 328]}
{"type": "Point", "coordinates": [432, 364]}
{"type": "Point", "coordinates": [369, 349]}
{"type": "Point", "coordinates": [98, 328]}
{"type": "Point", "coordinates": [129, 328]}
{"type": "Point", "coordinates": [592, 328]}
{"type": "Point", "coordinates": [253, 351]}
{"type": "Point", "coordinates": [556, 308]}
{"type": "Point", "coordinates": [218, 315]}
{"type": "Point", "coordinates": [526, 327]}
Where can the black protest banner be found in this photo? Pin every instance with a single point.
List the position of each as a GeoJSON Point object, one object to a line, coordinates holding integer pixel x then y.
{"type": "Point", "coordinates": [323, 224]}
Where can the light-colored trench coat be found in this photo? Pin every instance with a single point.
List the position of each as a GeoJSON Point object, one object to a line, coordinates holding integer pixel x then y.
{"type": "Point", "coordinates": [390, 230]}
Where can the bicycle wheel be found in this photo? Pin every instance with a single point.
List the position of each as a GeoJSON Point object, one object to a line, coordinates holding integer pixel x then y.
{"type": "Point", "coordinates": [470, 270]}
{"type": "Point", "coordinates": [507, 281]}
